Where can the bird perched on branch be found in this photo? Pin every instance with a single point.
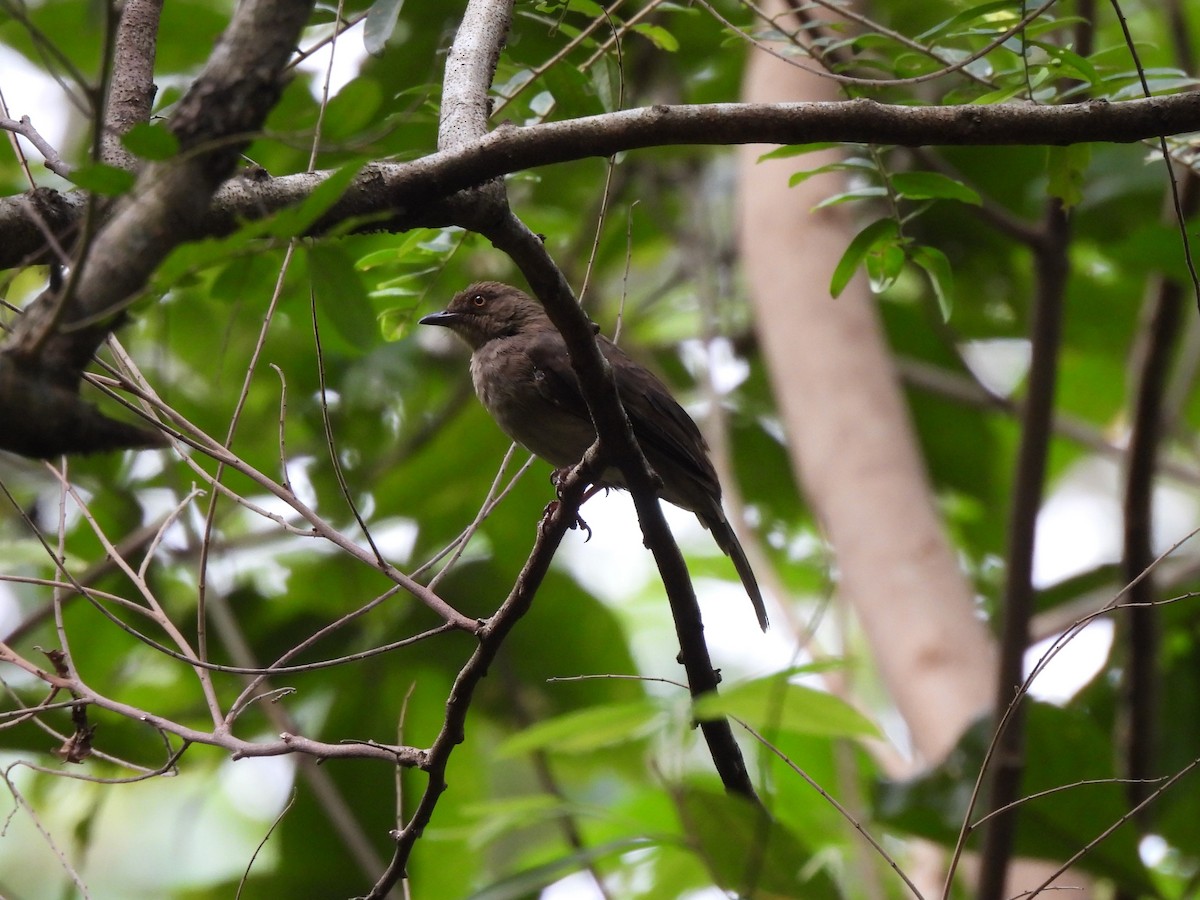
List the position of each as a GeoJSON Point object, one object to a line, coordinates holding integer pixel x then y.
{"type": "Point", "coordinates": [523, 376]}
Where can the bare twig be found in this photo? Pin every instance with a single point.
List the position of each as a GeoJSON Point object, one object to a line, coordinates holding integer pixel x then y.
{"type": "Point", "coordinates": [24, 127]}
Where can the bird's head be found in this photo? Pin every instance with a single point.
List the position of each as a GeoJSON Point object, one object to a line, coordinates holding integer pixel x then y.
{"type": "Point", "coordinates": [488, 310]}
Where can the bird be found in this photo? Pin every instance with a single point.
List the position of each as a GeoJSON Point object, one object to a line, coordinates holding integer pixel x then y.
{"type": "Point", "coordinates": [523, 377]}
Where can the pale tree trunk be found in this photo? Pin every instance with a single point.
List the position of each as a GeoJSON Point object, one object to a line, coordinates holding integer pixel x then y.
{"type": "Point", "coordinates": [852, 443]}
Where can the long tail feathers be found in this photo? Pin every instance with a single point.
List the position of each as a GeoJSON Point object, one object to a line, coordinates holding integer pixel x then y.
{"type": "Point", "coordinates": [722, 531]}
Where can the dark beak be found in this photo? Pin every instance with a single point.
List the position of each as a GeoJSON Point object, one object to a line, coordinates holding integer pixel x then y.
{"type": "Point", "coordinates": [445, 317]}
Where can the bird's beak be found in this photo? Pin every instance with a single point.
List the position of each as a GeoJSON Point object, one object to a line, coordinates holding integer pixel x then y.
{"type": "Point", "coordinates": [445, 317]}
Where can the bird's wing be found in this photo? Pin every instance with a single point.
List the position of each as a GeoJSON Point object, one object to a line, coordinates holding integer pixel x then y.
{"type": "Point", "coordinates": [665, 431]}
{"type": "Point", "coordinates": [553, 375]}
{"type": "Point", "coordinates": [673, 444]}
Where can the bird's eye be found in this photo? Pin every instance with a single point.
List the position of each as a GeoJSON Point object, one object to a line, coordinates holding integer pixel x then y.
{"type": "Point", "coordinates": [479, 301]}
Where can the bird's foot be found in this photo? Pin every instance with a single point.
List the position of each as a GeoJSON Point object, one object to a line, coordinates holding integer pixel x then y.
{"type": "Point", "coordinates": [559, 477]}
{"type": "Point", "coordinates": [552, 507]}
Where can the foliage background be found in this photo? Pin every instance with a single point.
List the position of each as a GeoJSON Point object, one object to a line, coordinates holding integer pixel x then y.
{"type": "Point", "coordinates": [599, 777]}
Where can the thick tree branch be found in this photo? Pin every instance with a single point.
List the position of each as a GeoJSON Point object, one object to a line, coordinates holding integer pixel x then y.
{"type": "Point", "coordinates": [470, 67]}
{"type": "Point", "coordinates": [131, 91]}
{"type": "Point", "coordinates": [44, 356]}
{"type": "Point", "coordinates": [405, 195]}
{"type": "Point", "coordinates": [229, 100]}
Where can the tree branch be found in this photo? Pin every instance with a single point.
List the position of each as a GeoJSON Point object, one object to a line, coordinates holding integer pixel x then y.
{"type": "Point", "coordinates": [1052, 270]}
{"type": "Point", "coordinates": [618, 446]}
{"type": "Point", "coordinates": [470, 67]}
{"type": "Point", "coordinates": [491, 637]}
{"type": "Point", "coordinates": [24, 127]}
{"type": "Point", "coordinates": [399, 196]}
{"type": "Point", "coordinates": [237, 747]}
{"type": "Point", "coordinates": [131, 91]}
{"type": "Point", "coordinates": [1152, 365]}
{"type": "Point", "coordinates": [44, 356]}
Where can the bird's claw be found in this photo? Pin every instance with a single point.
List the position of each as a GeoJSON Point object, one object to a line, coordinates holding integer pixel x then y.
{"type": "Point", "coordinates": [582, 526]}
{"type": "Point", "coordinates": [558, 478]}
{"type": "Point", "coordinates": [578, 522]}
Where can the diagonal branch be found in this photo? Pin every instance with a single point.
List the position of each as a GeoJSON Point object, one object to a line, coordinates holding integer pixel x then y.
{"type": "Point", "coordinates": [618, 444]}
{"type": "Point", "coordinates": [491, 637]}
{"type": "Point", "coordinates": [484, 25]}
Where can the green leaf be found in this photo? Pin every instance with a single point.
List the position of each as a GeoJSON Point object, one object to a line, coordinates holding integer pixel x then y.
{"type": "Point", "coordinates": [409, 246]}
{"type": "Point", "coordinates": [606, 83]}
{"type": "Point", "coordinates": [878, 233]}
{"type": "Point", "coordinates": [659, 36]}
{"type": "Point", "coordinates": [941, 277]}
{"type": "Point", "coordinates": [299, 219]}
{"type": "Point", "coordinates": [530, 882]}
{"type": "Point", "coordinates": [101, 178]}
{"type": "Point", "coordinates": [864, 193]}
{"type": "Point", "coordinates": [997, 13]}
{"type": "Point", "coordinates": [847, 165]}
{"type": "Point", "coordinates": [353, 108]}
{"type": "Point", "coordinates": [186, 260]}
{"type": "Point", "coordinates": [1071, 63]}
{"type": "Point", "coordinates": [775, 703]}
{"type": "Point", "coordinates": [789, 150]}
{"type": "Point", "coordinates": [1105, 577]}
{"type": "Point", "coordinates": [588, 8]}
{"type": "Point", "coordinates": [396, 321]}
{"type": "Point", "coordinates": [748, 854]}
{"type": "Point", "coordinates": [380, 25]}
{"type": "Point", "coordinates": [498, 818]}
{"type": "Point", "coordinates": [587, 729]}
{"type": "Point", "coordinates": [341, 296]}
{"type": "Point", "coordinates": [933, 186]}
{"type": "Point", "coordinates": [572, 90]}
{"type": "Point", "coordinates": [151, 141]}
{"type": "Point", "coordinates": [1066, 167]}
{"type": "Point", "coordinates": [1001, 95]}
{"type": "Point", "coordinates": [884, 265]}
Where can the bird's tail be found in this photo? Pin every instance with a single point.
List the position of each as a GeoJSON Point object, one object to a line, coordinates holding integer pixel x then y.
{"type": "Point", "coordinates": [722, 531]}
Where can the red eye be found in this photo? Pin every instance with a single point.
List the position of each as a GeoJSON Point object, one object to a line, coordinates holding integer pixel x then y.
{"type": "Point", "coordinates": [479, 301]}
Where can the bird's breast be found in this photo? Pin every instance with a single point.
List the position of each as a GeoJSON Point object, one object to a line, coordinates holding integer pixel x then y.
{"type": "Point", "coordinates": [514, 391]}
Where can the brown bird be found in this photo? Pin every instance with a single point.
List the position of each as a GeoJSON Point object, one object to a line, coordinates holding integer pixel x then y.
{"type": "Point", "coordinates": [523, 377]}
